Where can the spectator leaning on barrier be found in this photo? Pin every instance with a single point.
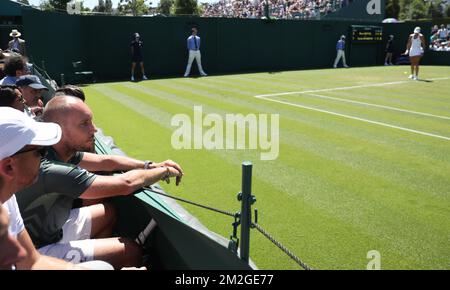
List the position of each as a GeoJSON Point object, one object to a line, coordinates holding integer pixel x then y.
{"type": "Point", "coordinates": [54, 226]}
{"type": "Point", "coordinates": [340, 50]}
{"type": "Point", "coordinates": [193, 46]}
{"type": "Point", "coordinates": [21, 149]}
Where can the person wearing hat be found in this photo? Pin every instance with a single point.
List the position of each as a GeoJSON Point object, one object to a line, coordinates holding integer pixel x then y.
{"type": "Point", "coordinates": [415, 50]}
{"type": "Point", "coordinates": [340, 49]}
{"type": "Point", "coordinates": [17, 44]}
{"type": "Point", "coordinates": [136, 55]}
{"type": "Point", "coordinates": [57, 229]}
{"type": "Point", "coordinates": [31, 88]}
{"type": "Point", "coordinates": [22, 144]}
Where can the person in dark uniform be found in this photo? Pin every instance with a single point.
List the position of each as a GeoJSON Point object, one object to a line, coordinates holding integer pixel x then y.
{"type": "Point", "coordinates": [136, 55]}
{"type": "Point", "coordinates": [389, 50]}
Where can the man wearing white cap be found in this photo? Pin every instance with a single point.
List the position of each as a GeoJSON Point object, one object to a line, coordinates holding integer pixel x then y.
{"type": "Point", "coordinates": [415, 49]}
{"type": "Point", "coordinates": [54, 226]}
{"type": "Point", "coordinates": [21, 148]}
{"type": "Point", "coordinates": [17, 44]}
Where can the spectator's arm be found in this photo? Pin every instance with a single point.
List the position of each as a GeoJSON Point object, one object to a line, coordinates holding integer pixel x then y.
{"type": "Point", "coordinates": [96, 162]}
{"type": "Point", "coordinates": [129, 182]}
{"type": "Point", "coordinates": [109, 163]}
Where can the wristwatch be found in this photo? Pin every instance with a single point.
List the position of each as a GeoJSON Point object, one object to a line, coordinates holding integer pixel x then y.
{"type": "Point", "coordinates": [147, 164]}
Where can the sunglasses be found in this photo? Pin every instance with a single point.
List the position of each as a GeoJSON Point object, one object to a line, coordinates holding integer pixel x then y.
{"type": "Point", "coordinates": [41, 150]}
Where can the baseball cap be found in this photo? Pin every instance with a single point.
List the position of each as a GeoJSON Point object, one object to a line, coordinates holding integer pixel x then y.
{"type": "Point", "coordinates": [31, 81]}
{"type": "Point", "coordinates": [417, 29]}
{"type": "Point", "coordinates": [18, 130]}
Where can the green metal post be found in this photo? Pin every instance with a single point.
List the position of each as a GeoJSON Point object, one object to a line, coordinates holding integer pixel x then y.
{"type": "Point", "coordinates": [246, 212]}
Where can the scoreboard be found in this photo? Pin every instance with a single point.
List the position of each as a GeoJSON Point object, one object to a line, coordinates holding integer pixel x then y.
{"type": "Point", "coordinates": [363, 33]}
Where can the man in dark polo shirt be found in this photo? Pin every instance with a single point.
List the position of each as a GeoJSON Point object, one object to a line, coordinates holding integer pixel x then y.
{"type": "Point", "coordinates": [46, 206]}
{"type": "Point", "coordinates": [136, 56]}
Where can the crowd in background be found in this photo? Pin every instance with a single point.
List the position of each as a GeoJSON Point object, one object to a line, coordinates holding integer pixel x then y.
{"type": "Point", "coordinates": [440, 38]}
{"type": "Point", "coordinates": [52, 165]}
{"type": "Point", "coordinates": [277, 9]}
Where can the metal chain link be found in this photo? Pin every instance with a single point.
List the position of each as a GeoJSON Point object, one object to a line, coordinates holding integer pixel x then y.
{"type": "Point", "coordinates": [191, 202]}
{"type": "Point", "coordinates": [257, 226]}
{"type": "Point", "coordinates": [282, 247]}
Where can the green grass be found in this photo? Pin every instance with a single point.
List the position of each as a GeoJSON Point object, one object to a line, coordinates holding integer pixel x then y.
{"type": "Point", "coordinates": [339, 188]}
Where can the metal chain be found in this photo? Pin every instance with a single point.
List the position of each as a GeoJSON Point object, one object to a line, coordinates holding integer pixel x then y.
{"type": "Point", "coordinates": [282, 247]}
{"type": "Point", "coordinates": [191, 202]}
{"type": "Point", "coordinates": [258, 227]}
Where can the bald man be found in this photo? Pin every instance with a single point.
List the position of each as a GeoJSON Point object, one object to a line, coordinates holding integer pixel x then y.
{"type": "Point", "coordinates": [65, 175]}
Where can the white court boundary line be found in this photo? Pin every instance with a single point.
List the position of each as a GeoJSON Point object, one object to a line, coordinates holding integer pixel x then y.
{"type": "Point", "coordinates": [379, 106]}
{"type": "Point", "coordinates": [358, 119]}
{"type": "Point", "coordinates": [344, 88]}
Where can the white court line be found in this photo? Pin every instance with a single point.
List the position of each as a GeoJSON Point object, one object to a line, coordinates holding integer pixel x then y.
{"type": "Point", "coordinates": [379, 106]}
{"type": "Point", "coordinates": [359, 119]}
{"type": "Point", "coordinates": [344, 88]}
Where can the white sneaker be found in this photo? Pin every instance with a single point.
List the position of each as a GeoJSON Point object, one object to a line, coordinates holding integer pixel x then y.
{"type": "Point", "coordinates": [203, 74]}
{"type": "Point", "coordinates": [386, 63]}
{"type": "Point", "coordinates": [346, 66]}
{"type": "Point", "coordinates": [411, 77]}
{"type": "Point", "coordinates": [185, 76]}
{"type": "Point", "coordinates": [132, 78]}
{"type": "Point", "coordinates": [334, 66]}
{"type": "Point", "coordinates": [144, 77]}
{"type": "Point", "coordinates": [416, 78]}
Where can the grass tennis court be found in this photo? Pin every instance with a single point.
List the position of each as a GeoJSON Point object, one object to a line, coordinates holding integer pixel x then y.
{"type": "Point", "coordinates": [364, 160]}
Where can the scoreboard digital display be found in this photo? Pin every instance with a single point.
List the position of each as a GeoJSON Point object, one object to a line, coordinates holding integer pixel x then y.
{"type": "Point", "coordinates": [363, 33]}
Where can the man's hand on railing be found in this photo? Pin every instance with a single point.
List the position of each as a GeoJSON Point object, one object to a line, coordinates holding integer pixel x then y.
{"type": "Point", "coordinates": [172, 172]}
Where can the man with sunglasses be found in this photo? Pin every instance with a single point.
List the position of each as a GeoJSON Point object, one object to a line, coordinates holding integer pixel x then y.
{"type": "Point", "coordinates": [21, 149]}
{"type": "Point", "coordinates": [47, 205]}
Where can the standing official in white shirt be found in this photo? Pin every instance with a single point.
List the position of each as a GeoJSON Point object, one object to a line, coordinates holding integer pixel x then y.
{"type": "Point", "coordinates": [193, 46]}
